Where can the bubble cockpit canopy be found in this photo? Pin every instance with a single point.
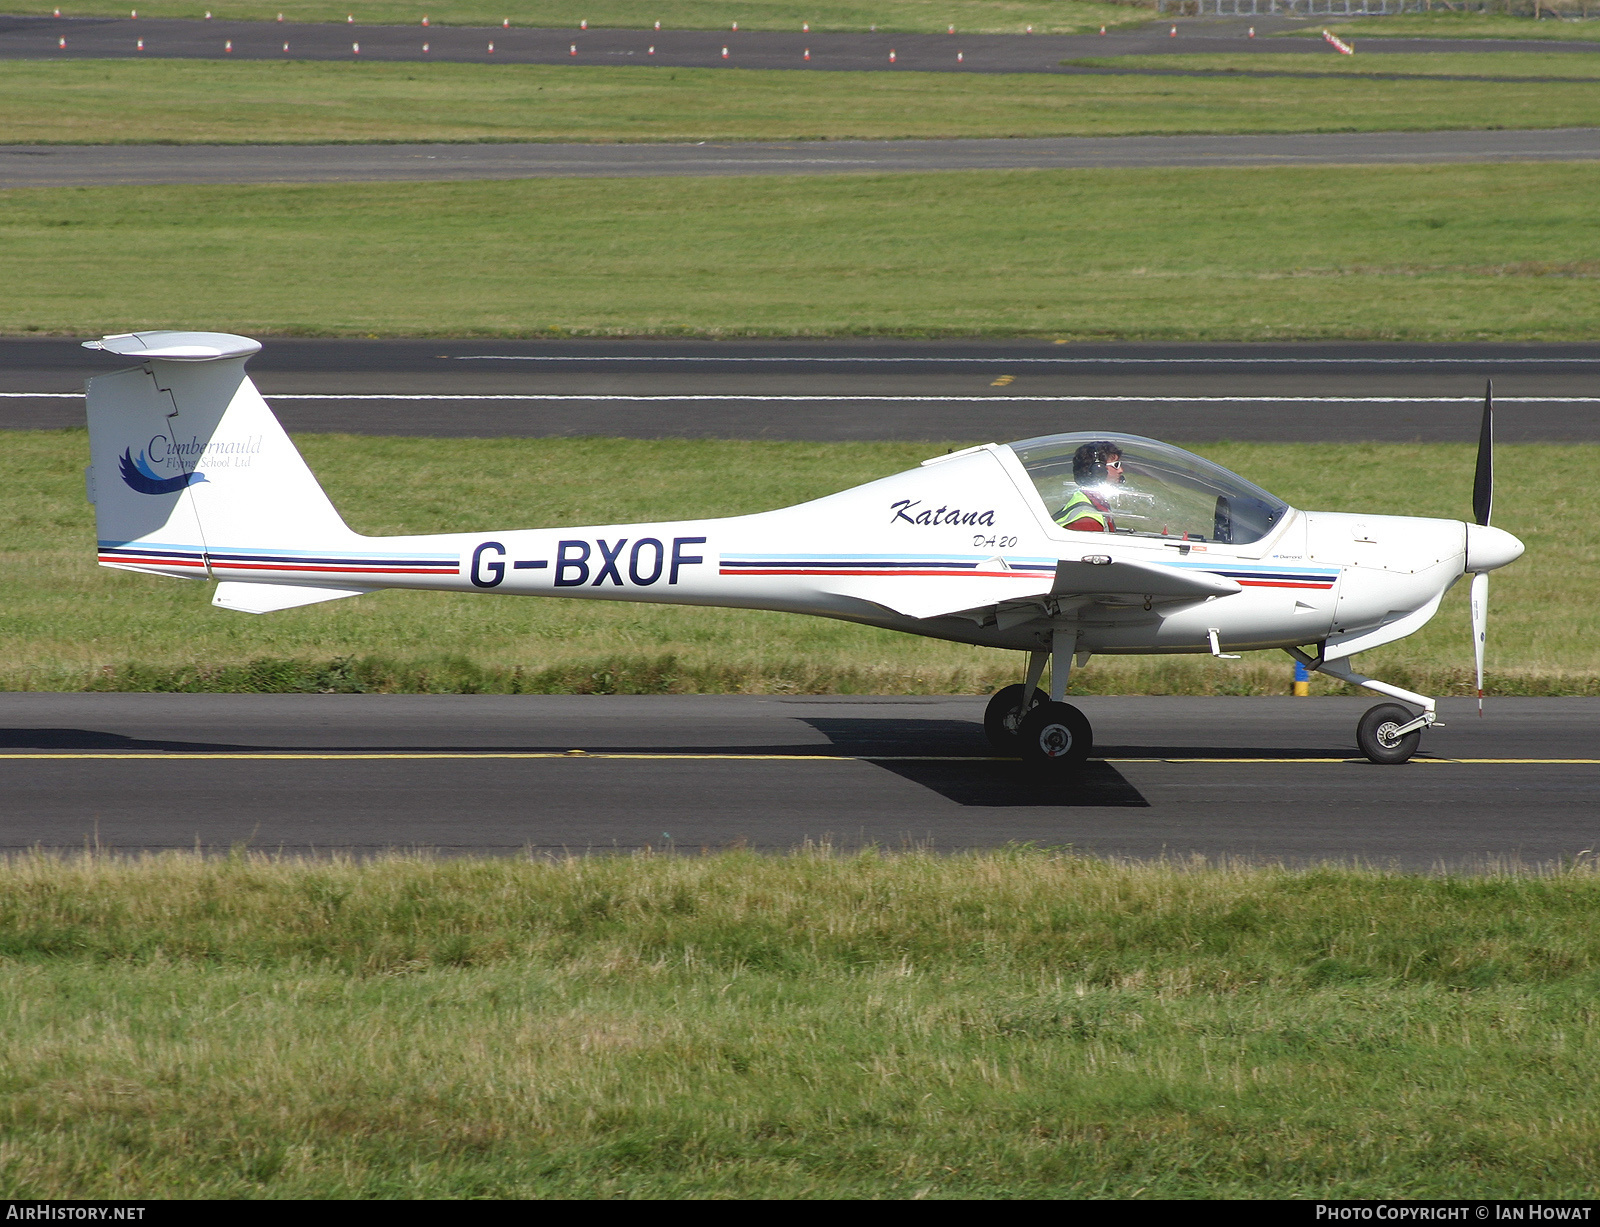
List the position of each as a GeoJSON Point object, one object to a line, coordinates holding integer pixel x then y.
{"type": "Point", "coordinates": [1157, 490]}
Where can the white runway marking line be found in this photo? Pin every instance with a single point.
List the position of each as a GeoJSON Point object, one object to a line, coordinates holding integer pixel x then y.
{"type": "Point", "coordinates": [1064, 359]}
{"type": "Point", "coordinates": [1054, 400]}
{"type": "Point", "coordinates": [598, 755]}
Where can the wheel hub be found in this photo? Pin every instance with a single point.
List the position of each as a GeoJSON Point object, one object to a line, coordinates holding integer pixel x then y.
{"type": "Point", "coordinates": [1055, 740]}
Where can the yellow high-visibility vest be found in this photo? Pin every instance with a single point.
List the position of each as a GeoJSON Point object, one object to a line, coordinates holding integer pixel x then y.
{"type": "Point", "coordinates": [1082, 507]}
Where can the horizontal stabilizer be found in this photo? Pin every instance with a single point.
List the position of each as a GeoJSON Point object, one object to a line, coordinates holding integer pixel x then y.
{"type": "Point", "coordinates": [1139, 579]}
{"type": "Point", "coordinates": [269, 598]}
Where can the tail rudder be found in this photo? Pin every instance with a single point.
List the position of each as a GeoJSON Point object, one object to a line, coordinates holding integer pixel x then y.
{"type": "Point", "coordinates": [188, 464]}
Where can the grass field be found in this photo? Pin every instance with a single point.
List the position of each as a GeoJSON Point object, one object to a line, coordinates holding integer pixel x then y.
{"type": "Point", "coordinates": [186, 101]}
{"type": "Point", "coordinates": [1471, 25]}
{"type": "Point", "coordinates": [70, 625]}
{"type": "Point", "coordinates": [1548, 64]}
{"type": "Point", "coordinates": [1016, 1024]}
{"type": "Point", "coordinates": [925, 16]}
{"type": "Point", "coordinates": [1427, 253]}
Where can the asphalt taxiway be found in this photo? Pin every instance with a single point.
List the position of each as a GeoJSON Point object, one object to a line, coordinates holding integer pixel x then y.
{"type": "Point", "coordinates": [42, 37]}
{"type": "Point", "coordinates": [1274, 779]}
{"type": "Point", "coordinates": [120, 165]}
{"type": "Point", "coordinates": [856, 389]}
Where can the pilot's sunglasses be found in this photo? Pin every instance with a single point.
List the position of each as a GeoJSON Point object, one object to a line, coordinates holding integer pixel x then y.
{"type": "Point", "coordinates": [1113, 464]}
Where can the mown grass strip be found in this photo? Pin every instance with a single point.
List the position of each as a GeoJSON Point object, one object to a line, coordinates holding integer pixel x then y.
{"type": "Point", "coordinates": [1421, 253]}
{"type": "Point", "coordinates": [1475, 25]}
{"type": "Point", "coordinates": [71, 625]}
{"type": "Point", "coordinates": [1023, 1023]}
{"type": "Point", "coordinates": [251, 102]}
{"type": "Point", "coordinates": [1489, 67]}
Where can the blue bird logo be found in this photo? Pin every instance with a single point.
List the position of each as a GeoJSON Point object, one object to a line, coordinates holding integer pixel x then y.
{"type": "Point", "coordinates": [140, 476]}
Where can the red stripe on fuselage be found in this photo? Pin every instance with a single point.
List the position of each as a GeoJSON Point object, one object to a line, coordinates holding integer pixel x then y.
{"type": "Point", "coordinates": [941, 574]}
{"type": "Point", "coordinates": [283, 566]}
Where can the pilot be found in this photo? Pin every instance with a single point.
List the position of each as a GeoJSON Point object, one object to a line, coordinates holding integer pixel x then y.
{"type": "Point", "coordinates": [1096, 464]}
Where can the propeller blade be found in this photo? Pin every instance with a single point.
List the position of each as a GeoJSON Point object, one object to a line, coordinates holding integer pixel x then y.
{"type": "Point", "coordinates": [1480, 625]}
{"type": "Point", "coordinates": [1483, 480]}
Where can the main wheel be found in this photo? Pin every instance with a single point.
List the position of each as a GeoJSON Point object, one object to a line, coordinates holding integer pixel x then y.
{"type": "Point", "coordinates": [1055, 737]}
{"type": "Point", "coordinates": [1378, 739]}
{"type": "Point", "coordinates": [1004, 715]}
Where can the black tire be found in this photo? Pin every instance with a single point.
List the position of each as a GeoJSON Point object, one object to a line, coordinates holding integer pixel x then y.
{"type": "Point", "coordinates": [1375, 734]}
{"type": "Point", "coordinates": [1003, 716]}
{"type": "Point", "coordinates": [1055, 738]}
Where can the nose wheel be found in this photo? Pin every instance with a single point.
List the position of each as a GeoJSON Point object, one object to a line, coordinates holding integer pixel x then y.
{"type": "Point", "coordinates": [1380, 737]}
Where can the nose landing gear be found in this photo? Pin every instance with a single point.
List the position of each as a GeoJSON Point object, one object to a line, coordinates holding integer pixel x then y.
{"type": "Point", "coordinates": [1379, 734]}
{"type": "Point", "coordinates": [1388, 733]}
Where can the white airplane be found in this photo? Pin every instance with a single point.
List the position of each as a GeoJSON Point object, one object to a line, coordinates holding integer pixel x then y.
{"type": "Point", "coordinates": [1061, 547]}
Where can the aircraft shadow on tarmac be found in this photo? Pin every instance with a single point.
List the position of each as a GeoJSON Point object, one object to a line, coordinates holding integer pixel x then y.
{"type": "Point", "coordinates": [984, 784]}
{"type": "Point", "coordinates": [948, 757]}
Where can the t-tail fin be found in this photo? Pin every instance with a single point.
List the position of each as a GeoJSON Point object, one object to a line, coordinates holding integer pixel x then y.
{"type": "Point", "coordinates": [189, 468]}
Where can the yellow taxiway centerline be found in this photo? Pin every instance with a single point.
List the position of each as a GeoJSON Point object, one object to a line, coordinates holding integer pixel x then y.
{"type": "Point", "coordinates": [360, 755]}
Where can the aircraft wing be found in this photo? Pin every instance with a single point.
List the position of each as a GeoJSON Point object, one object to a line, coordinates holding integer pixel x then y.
{"type": "Point", "coordinates": [1127, 578]}
{"type": "Point", "coordinates": [978, 598]}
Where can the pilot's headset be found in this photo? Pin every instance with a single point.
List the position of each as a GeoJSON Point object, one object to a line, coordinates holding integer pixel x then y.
{"type": "Point", "coordinates": [1089, 463]}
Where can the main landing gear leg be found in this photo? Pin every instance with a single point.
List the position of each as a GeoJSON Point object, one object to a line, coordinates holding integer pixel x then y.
{"type": "Point", "coordinates": [1388, 733]}
{"type": "Point", "coordinates": [1055, 738]}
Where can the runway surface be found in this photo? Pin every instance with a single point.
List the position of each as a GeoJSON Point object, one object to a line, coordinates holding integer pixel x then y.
{"type": "Point", "coordinates": [874, 389]}
{"type": "Point", "coordinates": [112, 165]}
{"type": "Point", "coordinates": [1256, 778]}
{"type": "Point", "coordinates": [24, 37]}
